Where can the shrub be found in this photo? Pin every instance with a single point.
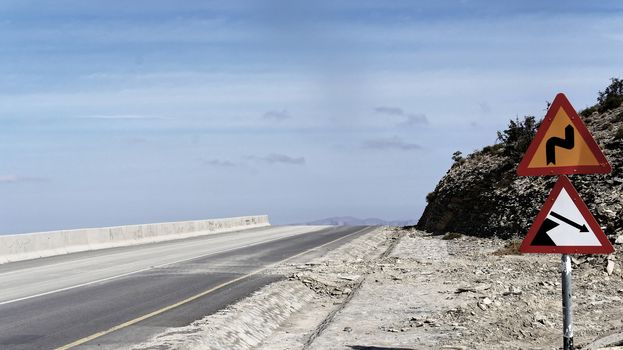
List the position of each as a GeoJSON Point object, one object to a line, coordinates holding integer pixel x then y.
{"type": "Point", "coordinates": [430, 197]}
{"type": "Point", "coordinates": [518, 136]}
{"type": "Point", "coordinates": [612, 96]}
{"type": "Point", "coordinates": [510, 248]}
{"type": "Point", "coordinates": [587, 112]}
{"type": "Point", "coordinates": [619, 134]}
{"type": "Point", "coordinates": [493, 149]}
{"type": "Point", "coordinates": [457, 156]}
{"type": "Point", "coordinates": [451, 235]}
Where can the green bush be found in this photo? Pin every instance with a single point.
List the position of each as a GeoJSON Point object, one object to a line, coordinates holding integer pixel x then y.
{"type": "Point", "coordinates": [430, 197]}
{"type": "Point", "coordinates": [518, 136]}
{"type": "Point", "coordinates": [587, 112]}
{"type": "Point", "coordinates": [612, 96]}
{"type": "Point", "coordinates": [451, 235]}
{"type": "Point", "coordinates": [510, 248]}
{"type": "Point", "coordinates": [457, 156]}
{"type": "Point", "coordinates": [493, 149]}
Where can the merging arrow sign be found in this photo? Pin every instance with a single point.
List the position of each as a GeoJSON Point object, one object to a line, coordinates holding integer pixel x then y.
{"type": "Point", "coordinates": [565, 226]}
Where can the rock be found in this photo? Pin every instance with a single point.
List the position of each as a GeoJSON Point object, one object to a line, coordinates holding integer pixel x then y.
{"type": "Point", "coordinates": [610, 267]}
{"type": "Point", "coordinates": [464, 290]}
{"type": "Point", "coordinates": [431, 322]}
{"type": "Point", "coordinates": [577, 261]}
{"type": "Point", "coordinates": [348, 277]}
{"type": "Point", "coordinates": [619, 240]}
{"type": "Point", "coordinates": [487, 301]}
{"type": "Point", "coordinates": [542, 319]}
{"type": "Point", "coordinates": [512, 290]}
{"type": "Point", "coordinates": [482, 306]}
{"type": "Point", "coordinates": [347, 329]}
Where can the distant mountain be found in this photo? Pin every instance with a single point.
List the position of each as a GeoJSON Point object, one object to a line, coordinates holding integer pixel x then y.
{"type": "Point", "coordinates": [353, 221]}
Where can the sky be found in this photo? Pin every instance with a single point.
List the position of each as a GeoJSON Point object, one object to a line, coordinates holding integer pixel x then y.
{"type": "Point", "coordinates": [126, 112]}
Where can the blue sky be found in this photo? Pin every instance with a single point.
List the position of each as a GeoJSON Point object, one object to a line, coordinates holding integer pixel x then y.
{"type": "Point", "coordinates": [119, 112]}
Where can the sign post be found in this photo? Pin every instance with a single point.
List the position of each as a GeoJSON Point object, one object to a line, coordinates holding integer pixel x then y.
{"type": "Point", "coordinates": [567, 309]}
{"type": "Point", "coordinates": [563, 145]}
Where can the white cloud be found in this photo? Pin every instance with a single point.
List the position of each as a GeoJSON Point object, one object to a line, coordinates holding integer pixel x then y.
{"type": "Point", "coordinates": [12, 179]}
{"type": "Point", "coordinates": [277, 115]}
{"type": "Point", "coordinates": [391, 143]}
{"type": "Point", "coordinates": [220, 163]}
{"type": "Point", "coordinates": [121, 117]}
{"type": "Point", "coordinates": [278, 158]}
{"type": "Point", "coordinates": [408, 119]}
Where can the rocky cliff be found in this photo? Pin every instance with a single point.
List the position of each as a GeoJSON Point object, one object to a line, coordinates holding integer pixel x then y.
{"type": "Point", "coordinates": [482, 195]}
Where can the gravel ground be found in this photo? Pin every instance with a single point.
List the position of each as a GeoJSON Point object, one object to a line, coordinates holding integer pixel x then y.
{"type": "Point", "coordinates": [399, 289]}
{"type": "Point", "coordinates": [456, 294]}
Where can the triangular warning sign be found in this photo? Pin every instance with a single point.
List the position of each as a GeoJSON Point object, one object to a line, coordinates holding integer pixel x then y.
{"type": "Point", "coordinates": [565, 226]}
{"type": "Point", "coordinates": [563, 145]}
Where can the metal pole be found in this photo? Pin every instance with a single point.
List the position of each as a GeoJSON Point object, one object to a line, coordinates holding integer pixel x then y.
{"type": "Point", "coordinates": [567, 315]}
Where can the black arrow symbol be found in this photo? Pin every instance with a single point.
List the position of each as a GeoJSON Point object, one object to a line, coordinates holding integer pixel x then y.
{"type": "Point", "coordinates": [582, 228]}
{"type": "Point", "coordinates": [566, 143]}
{"type": "Point", "coordinates": [542, 238]}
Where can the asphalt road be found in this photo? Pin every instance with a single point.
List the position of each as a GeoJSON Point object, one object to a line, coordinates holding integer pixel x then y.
{"type": "Point", "coordinates": [111, 298]}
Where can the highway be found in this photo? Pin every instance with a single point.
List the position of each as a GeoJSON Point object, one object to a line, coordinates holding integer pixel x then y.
{"type": "Point", "coordinates": [111, 298]}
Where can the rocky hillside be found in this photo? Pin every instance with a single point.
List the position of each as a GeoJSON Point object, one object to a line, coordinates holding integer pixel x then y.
{"type": "Point", "coordinates": [482, 195]}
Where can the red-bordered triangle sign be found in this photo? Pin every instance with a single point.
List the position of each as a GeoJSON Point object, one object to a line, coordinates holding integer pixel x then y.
{"type": "Point", "coordinates": [563, 145]}
{"type": "Point", "coordinates": [565, 226]}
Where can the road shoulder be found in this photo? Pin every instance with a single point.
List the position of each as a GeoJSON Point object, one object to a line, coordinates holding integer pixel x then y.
{"type": "Point", "coordinates": [432, 293]}
{"type": "Point", "coordinates": [398, 289]}
{"type": "Point", "coordinates": [257, 318]}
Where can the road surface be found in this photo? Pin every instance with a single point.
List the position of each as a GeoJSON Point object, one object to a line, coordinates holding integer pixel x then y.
{"type": "Point", "coordinates": [109, 299]}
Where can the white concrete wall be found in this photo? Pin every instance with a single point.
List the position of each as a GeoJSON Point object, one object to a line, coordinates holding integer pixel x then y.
{"type": "Point", "coordinates": [41, 244]}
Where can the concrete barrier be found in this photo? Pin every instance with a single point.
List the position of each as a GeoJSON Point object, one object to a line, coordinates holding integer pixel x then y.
{"type": "Point", "coordinates": [42, 244]}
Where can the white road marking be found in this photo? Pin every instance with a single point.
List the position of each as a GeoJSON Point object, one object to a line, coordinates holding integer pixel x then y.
{"type": "Point", "coordinates": [142, 270]}
{"type": "Point", "coordinates": [194, 297]}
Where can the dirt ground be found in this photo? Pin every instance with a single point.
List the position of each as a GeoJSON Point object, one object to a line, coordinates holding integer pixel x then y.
{"type": "Point", "coordinates": [400, 289]}
{"type": "Point", "coordinates": [431, 293]}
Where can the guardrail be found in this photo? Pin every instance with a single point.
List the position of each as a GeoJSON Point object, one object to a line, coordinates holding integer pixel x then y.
{"type": "Point", "coordinates": [42, 244]}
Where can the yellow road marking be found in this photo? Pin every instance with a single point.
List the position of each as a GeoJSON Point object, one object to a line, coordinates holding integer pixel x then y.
{"type": "Point", "coordinates": [194, 297]}
{"type": "Point", "coordinates": [142, 270]}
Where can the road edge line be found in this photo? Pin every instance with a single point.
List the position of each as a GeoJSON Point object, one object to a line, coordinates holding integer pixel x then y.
{"type": "Point", "coordinates": [64, 289]}
{"type": "Point", "coordinates": [194, 297]}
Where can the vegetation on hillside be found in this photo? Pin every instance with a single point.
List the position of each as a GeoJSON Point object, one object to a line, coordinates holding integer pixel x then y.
{"type": "Point", "coordinates": [482, 195]}
{"type": "Point", "coordinates": [515, 140]}
{"type": "Point", "coordinates": [610, 98]}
